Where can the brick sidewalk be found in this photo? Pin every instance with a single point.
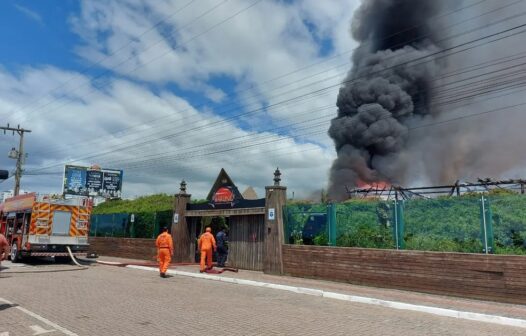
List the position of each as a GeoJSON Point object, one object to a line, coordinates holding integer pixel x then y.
{"type": "Point", "coordinates": [447, 302]}
{"type": "Point", "coordinates": [105, 300]}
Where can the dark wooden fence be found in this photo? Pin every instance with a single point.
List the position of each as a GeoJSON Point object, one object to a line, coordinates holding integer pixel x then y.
{"type": "Point", "coordinates": [488, 277]}
{"type": "Point", "coordinates": [246, 242]}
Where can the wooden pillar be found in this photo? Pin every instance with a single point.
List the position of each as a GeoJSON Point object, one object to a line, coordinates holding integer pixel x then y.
{"type": "Point", "coordinates": [276, 197]}
{"type": "Point", "coordinates": [180, 232]}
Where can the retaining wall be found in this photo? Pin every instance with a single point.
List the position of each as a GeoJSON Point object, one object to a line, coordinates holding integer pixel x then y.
{"type": "Point", "coordinates": [133, 248]}
{"type": "Point", "coordinates": [488, 277]}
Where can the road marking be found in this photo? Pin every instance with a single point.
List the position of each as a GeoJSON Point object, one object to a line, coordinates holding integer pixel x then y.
{"type": "Point", "coordinates": [41, 319]}
{"type": "Point", "coordinates": [38, 330]}
{"type": "Point", "coordinates": [464, 315]}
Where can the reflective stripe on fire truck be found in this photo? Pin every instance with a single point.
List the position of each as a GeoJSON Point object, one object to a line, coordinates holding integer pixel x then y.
{"type": "Point", "coordinates": [42, 219]}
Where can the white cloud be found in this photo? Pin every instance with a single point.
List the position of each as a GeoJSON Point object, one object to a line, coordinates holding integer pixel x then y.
{"type": "Point", "coordinates": [215, 95]}
{"type": "Point", "coordinates": [29, 13]}
{"type": "Point", "coordinates": [271, 53]}
{"type": "Point", "coordinates": [253, 48]}
{"type": "Point", "coordinates": [150, 164]}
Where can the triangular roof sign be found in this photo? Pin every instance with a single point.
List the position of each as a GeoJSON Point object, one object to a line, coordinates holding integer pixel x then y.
{"type": "Point", "coordinates": [223, 180]}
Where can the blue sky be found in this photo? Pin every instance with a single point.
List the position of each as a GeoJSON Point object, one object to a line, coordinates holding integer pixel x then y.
{"type": "Point", "coordinates": [178, 89]}
{"type": "Point", "coordinates": [38, 33]}
{"type": "Point", "coordinates": [142, 106]}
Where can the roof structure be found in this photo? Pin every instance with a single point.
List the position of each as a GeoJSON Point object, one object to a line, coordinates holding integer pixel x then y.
{"type": "Point", "coordinates": [223, 180]}
{"type": "Point", "coordinates": [249, 194]}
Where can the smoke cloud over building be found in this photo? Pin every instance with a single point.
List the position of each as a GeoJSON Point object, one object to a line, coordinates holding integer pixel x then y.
{"type": "Point", "coordinates": [385, 90]}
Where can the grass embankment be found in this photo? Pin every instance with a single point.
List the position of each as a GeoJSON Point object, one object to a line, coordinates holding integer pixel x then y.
{"type": "Point", "coordinates": [152, 203]}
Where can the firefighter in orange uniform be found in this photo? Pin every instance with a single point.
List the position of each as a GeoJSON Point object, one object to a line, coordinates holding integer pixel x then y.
{"type": "Point", "coordinates": [206, 243]}
{"type": "Point", "coordinates": [165, 251]}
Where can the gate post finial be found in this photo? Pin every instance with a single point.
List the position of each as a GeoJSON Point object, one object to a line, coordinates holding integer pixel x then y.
{"type": "Point", "coordinates": [182, 187]}
{"type": "Point", "coordinates": [277, 177]}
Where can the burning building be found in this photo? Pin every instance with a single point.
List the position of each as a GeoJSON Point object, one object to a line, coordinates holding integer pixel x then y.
{"type": "Point", "coordinates": [384, 90]}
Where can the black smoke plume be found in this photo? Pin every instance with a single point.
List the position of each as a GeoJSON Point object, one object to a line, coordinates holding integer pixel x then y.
{"type": "Point", "coordinates": [383, 91]}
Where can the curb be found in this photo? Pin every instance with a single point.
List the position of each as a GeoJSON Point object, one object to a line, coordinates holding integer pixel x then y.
{"type": "Point", "coordinates": [464, 315]}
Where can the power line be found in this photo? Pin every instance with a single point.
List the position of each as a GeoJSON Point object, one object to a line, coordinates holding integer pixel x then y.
{"type": "Point", "coordinates": [438, 123]}
{"type": "Point", "coordinates": [441, 52]}
{"type": "Point", "coordinates": [214, 143]}
{"type": "Point", "coordinates": [191, 155]}
{"type": "Point", "coordinates": [439, 15]}
{"type": "Point", "coordinates": [459, 118]}
{"type": "Point", "coordinates": [305, 86]}
{"type": "Point", "coordinates": [265, 143]}
{"type": "Point", "coordinates": [498, 61]}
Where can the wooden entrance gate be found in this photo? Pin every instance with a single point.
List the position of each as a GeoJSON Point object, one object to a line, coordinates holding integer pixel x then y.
{"type": "Point", "coordinates": [246, 236]}
{"type": "Point", "coordinates": [255, 225]}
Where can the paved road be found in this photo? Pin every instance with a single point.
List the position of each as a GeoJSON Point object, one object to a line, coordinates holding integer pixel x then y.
{"type": "Point", "coordinates": [105, 300]}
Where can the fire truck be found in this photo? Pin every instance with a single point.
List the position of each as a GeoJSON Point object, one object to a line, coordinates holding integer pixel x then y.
{"type": "Point", "coordinates": [42, 225]}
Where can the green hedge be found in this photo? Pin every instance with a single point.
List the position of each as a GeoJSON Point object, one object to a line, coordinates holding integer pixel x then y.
{"type": "Point", "coordinates": [153, 203]}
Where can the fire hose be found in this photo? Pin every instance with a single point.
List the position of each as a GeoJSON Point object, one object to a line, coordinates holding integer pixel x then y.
{"type": "Point", "coordinates": [79, 268]}
{"type": "Point", "coordinates": [73, 258]}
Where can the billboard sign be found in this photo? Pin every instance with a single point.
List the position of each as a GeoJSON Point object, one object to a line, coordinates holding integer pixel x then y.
{"type": "Point", "coordinates": [84, 181]}
{"type": "Point", "coordinates": [76, 180]}
{"type": "Point", "coordinates": [112, 184]}
{"type": "Point", "coordinates": [94, 181]}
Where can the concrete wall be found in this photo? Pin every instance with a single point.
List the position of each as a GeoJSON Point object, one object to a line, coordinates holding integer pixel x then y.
{"type": "Point", "coordinates": [488, 277]}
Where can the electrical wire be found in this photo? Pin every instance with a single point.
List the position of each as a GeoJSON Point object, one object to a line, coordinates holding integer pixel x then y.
{"type": "Point", "coordinates": [449, 13]}
{"type": "Point", "coordinates": [441, 52]}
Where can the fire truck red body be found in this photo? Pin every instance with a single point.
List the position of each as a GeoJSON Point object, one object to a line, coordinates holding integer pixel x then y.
{"type": "Point", "coordinates": [36, 225]}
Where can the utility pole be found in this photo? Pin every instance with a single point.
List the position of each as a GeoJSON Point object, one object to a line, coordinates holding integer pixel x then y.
{"type": "Point", "coordinates": [18, 155]}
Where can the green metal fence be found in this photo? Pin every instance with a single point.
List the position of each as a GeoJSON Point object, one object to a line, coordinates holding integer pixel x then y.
{"type": "Point", "coordinates": [448, 224]}
{"type": "Point", "coordinates": [471, 224]}
{"type": "Point", "coordinates": [365, 224]}
{"type": "Point", "coordinates": [306, 224]}
{"type": "Point", "coordinates": [508, 214]}
{"type": "Point", "coordinates": [136, 225]}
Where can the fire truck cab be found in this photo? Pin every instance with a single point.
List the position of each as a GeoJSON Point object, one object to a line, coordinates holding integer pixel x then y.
{"type": "Point", "coordinates": [40, 225]}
